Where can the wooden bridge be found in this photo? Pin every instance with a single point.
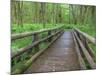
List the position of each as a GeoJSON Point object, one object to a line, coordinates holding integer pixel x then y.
{"type": "Point", "coordinates": [64, 51]}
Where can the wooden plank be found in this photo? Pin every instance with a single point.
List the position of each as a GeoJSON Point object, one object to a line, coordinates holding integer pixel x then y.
{"type": "Point", "coordinates": [88, 37]}
{"type": "Point", "coordinates": [87, 55]}
{"type": "Point", "coordinates": [81, 60]}
{"type": "Point", "coordinates": [49, 33]}
{"type": "Point", "coordinates": [29, 62]}
{"type": "Point", "coordinates": [36, 38]}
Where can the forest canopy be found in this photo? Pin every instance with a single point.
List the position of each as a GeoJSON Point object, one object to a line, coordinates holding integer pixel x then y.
{"type": "Point", "coordinates": [45, 14]}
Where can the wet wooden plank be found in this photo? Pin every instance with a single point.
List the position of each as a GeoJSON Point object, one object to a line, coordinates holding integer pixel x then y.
{"type": "Point", "coordinates": [60, 56]}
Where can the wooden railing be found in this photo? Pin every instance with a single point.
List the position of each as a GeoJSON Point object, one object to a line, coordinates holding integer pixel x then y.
{"type": "Point", "coordinates": [85, 52]}
{"type": "Point", "coordinates": [52, 35]}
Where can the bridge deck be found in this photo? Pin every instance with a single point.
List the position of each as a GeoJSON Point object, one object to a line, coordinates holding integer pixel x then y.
{"type": "Point", "coordinates": [61, 56]}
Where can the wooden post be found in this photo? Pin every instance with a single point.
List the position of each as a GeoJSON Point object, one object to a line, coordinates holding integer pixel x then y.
{"type": "Point", "coordinates": [83, 39]}
{"type": "Point", "coordinates": [50, 39]}
{"type": "Point", "coordinates": [78, 34]}
{"type": "Point", "coordinates": [56, 31]}
{"type": "Point", "coordinates": [35, 39]}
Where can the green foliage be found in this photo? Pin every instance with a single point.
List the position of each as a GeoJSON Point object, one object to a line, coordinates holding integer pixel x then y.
{"type": "Point", "coordinates": [26, 27]}
{"type": "Point", "coordinates": [89, 29]}
{"type": "Point", "coordinates": [29, 27]}
{"type": "Point", "coordinates": [15, 45]}
{"type": "Point", "coordinates": [68, 26]}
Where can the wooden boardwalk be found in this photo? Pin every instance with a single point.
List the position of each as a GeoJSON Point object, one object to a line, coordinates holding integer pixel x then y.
{"type": "Point", "coordinates": [61, 56]}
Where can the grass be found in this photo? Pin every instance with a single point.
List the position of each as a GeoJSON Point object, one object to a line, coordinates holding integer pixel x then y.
{"type": "Point", "coordinates": [91, 30]}
{"type": "Point", "coordinates": [29, 27]}
{"type": "Point", "coordinates": [15, 45]}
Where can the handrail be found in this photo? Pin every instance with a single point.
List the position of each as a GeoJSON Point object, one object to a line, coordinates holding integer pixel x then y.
{"type": "Point", "coordinates": [81, 60]}
{"type": "Point", "coordinates": [86, 53]}
{"type": "Point", "coordinates": [25, 34]}
{"type": "Point", "coordinates": [24, 49]}
{"type": "Point", "coordinates": [52, 35]}
{"type": "Point", "coordinates": [88, 37]}
{"type": "Point", "coordinates": [22, 35]}
{"type": "Point", "coordinates": [27, 64]}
